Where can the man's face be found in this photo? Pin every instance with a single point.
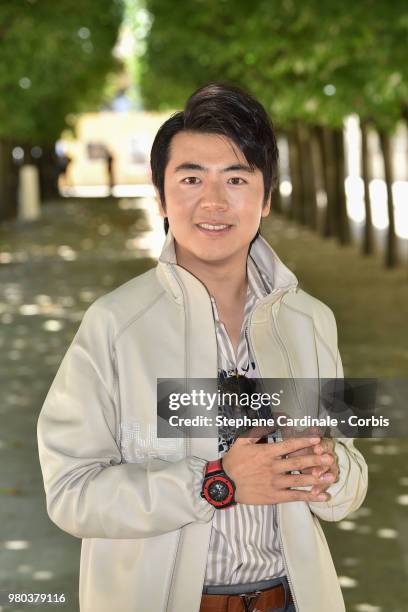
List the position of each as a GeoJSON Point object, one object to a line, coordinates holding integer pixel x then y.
{"type": "Point", "coordinates": [214, 201]}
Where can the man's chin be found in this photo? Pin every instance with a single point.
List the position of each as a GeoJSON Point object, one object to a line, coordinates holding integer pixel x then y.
{"type": "Point", "coordinates": [214, 256]}
{"type": "Point", "coordinates": [211, 254]}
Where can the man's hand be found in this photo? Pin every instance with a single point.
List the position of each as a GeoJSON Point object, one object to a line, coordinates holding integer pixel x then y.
{"type": "Point", "coordinates": [326, 474]}
{"type": "Point", "coordinates": [261, 472]}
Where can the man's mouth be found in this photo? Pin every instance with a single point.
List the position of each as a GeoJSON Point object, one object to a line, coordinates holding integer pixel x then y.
{"type": "Point", "coordinates": [210, 227]}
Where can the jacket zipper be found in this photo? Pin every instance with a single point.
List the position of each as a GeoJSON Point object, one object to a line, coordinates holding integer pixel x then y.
{"type": "Point", "coordinates": [248, 338]}
{"type": "Point", "coordinates": [290, 582]}
{"type": "Point", "coordinates": [284, 350]}
{"type": "Point", "coordinates": [285, 563]}
{"type": "Point", "coordinates": [276, 332]}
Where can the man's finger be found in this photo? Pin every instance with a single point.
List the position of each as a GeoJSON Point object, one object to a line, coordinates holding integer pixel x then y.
{"type": "Point", "coordinates": [300, 463]}
{"type": "Point", "coordinates": [300, 480]}
{"type": "Point", "coordinates": [293, 444]}
{"type": "Point", "coordinates": [326, 446]}
{"type": "Point", "coordinates": [319, 471]}
{"type": "Point", "coordinates": [302, 451]}
{"type": "Point", "coordinates": [296, 495]}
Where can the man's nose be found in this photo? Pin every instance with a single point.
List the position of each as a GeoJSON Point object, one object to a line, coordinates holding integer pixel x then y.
{"type": "Point", "coordinates": [213, 197]}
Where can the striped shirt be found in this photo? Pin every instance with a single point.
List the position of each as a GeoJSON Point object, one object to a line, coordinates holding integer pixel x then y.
{"type": "Point", "coordinates": [244, 543]}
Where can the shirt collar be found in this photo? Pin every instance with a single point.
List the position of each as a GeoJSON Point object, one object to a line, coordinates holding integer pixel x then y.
{"type": "Point", "coordinates": [259, 283]}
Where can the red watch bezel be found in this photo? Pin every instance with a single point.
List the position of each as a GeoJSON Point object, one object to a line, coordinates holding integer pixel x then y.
{"type": "Point", "coordinates": [215, 468]}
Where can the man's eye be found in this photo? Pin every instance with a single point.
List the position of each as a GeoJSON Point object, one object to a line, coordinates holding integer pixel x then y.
{"type": "Point", "coordinates": [236, 180]}
{"type": "Point", "coordinates": [191, 180]}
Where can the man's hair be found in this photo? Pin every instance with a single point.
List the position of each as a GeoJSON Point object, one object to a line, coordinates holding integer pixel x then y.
{"type": "Point", "coordinates": [227, 110]}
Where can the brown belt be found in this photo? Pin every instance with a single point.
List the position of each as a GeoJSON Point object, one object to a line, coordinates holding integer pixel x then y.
{"type": "Point", "coordinates": [260, 601]}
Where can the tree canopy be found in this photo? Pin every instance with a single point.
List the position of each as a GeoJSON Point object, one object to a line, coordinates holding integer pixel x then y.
{"type": "Point", "coordinates": [308, 60]}
{"type": "Point", "coordinates": [54, 58]}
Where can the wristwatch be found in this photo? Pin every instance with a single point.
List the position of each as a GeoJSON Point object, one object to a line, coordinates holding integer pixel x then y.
{"type": "Point", "coordinates": [218, 488]}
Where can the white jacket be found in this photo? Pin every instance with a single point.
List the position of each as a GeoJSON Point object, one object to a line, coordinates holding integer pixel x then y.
{"type": "Point", "coordinates": [134, 498]}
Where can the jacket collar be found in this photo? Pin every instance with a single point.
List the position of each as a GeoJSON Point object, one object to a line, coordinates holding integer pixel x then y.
{"type": "Point", "coordinates": [277, 277]}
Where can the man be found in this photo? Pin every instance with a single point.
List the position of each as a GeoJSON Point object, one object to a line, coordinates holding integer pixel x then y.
{"type": "Point", "coordinates": [156, 535]}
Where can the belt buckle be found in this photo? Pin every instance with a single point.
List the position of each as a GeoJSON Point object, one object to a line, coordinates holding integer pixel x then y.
{"type": "Point", "coordinates": [249, 600]}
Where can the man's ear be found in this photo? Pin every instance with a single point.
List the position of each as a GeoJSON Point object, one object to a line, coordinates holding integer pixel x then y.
{"type": "Point", "coordinates": [159, 203]}
{"type": "Point", "coordinates": [266, 207]}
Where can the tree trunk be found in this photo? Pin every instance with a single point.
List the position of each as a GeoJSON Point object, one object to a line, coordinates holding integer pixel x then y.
{"type": "Point", "coordinates": [404, 113]}
{"type": "Point", "coordinates": [8, 182]}
{"type": "Point", "coordinates": [47, 165]}
{"type": "Point", "coordinates": [295, 210]}
{"type": "Point", "coordinates": [323, 141]}
{"type": "Point", "coordinates": [391, 250]}
{"type": "Point", "coordinates": [276, 200]}
{"type": "Point", "coordinates": [327, 146]}
{"type": "Point", "coordinates": [368, 237]}
{"type": "Point", "coordinates": [307, 176]}
{"type": "Point", "coordinates": [341, 221]}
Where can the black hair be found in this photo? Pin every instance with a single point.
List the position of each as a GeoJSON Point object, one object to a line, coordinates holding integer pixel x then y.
{"type": "Point", "coordinates": [225, 109]}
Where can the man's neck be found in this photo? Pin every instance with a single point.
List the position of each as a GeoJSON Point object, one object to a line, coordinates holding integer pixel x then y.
{"type": "Point", "coordinates": [225, 281]}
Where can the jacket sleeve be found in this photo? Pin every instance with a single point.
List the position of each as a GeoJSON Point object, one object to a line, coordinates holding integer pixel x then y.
{"type": "Point", "coordinates": [90, 493]}
{"type": "Point", "coordinates": [348, 493]}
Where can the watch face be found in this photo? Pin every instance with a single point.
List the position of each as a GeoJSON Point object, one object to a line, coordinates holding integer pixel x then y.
{"type": "Point", "coordinates": [218, 490]}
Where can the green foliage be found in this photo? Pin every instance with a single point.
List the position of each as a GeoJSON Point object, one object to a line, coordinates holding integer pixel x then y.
{"type": "Point", "coordinates": [307, 60]}
{"type": "Point", "coordinates": [54, 58]}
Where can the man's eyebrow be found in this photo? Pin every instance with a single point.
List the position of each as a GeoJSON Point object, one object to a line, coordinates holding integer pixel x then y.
{"type": "Point", "coordinates": [239, 167]}
{"type": "Point", "coordinates": [199, 167]}
{"type": "Point", "coordinates": [189, 166]}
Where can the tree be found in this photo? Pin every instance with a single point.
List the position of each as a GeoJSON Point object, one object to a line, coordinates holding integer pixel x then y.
{"type": "Point", "coordinates": [310, 63]}
{"type": "Point", "coordinates": [54, 58]}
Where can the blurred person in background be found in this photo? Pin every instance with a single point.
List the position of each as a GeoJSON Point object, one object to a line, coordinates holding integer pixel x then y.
{"type": "Point", "coordinates": [109, 169]}
{"type": "Point", "coordinates": [62, 162]}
